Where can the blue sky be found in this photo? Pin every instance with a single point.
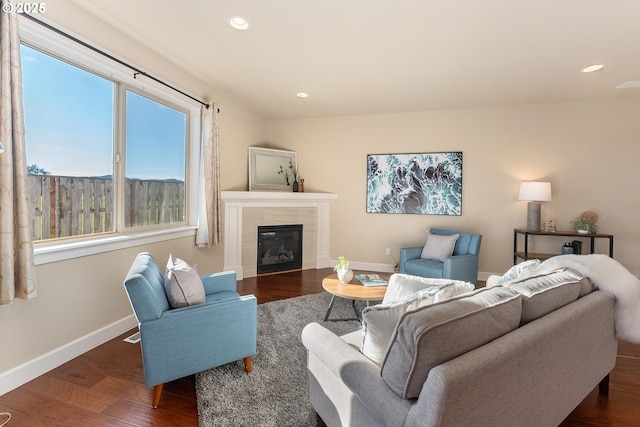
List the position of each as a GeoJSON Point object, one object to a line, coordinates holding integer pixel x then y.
{"type": "Point", "coordinates": [69, 124]}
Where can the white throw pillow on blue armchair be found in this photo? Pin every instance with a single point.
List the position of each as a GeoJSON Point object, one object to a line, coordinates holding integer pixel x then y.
{"type": "Point", "coordinates": [439, 246]}
{"type": "Point", "coordinates": [182, 284]}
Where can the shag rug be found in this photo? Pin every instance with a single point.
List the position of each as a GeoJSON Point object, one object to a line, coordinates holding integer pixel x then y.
{"type": "Point", "coordinates": [275, 394]}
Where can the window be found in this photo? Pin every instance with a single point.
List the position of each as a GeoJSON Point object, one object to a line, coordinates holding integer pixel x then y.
{"type": "Point", "coordinates": [105, 154]}
{"type": "Point", "coordinates": [155, 162]}
{"type": "Point", "coordinates": [69, 134]}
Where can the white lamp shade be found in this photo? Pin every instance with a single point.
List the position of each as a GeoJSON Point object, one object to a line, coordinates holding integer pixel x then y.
{"type": "Point", "coordinates": [535, 191]}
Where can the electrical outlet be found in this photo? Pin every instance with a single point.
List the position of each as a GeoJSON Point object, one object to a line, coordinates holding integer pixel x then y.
{"type": "Point", "coordinates": [387, 251]}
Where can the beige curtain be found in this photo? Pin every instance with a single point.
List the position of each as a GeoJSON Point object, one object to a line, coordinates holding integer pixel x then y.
{"type": "Point", "coordinates": [209, 202]}
{"type": "Point", "coordinates": [17, 271]}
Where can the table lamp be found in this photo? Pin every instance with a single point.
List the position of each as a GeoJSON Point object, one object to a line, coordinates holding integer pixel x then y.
{"type": "Point", "coordinates": [535, 192]}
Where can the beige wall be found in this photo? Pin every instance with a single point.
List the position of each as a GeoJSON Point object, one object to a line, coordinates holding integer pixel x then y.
{"type": "Point", "coordinates": [587, 150]}
{"type": "Point", "coordinates": [79, 296]}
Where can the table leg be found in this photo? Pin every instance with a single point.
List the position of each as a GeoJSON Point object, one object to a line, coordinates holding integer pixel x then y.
{"type": "Point", "coordinates": [326, 316]}
{"type": "Point", "coordinates": [353, 304]}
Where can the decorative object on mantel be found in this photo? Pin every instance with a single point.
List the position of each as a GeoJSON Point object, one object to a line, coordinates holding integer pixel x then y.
{"type": "Point", "coordinates": [585, 223]}
{"type": "Point", "coordinates": [290, 173]}
{"type": "Point", "coordinates": [294, 174]}
{"type": "Point", "coordinates": [421, 183]}
{"type": "Point", "coordinates": [286, 172]}
{"type": "Point", "coordinates": [345, 275]}
{"type": "Point", "coordinates": [271, 169]}
{"type": "Point", "coordinates": [534, 192]}
{"type": "Point", "coordinates": [301, 185]}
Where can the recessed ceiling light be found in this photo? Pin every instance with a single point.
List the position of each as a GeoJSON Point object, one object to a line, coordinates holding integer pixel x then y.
{"type": "Point", "coordinates": [239, 23]}
{"type": "Point", "coordinates": [302, 95]}
{"type": "Point", "coordinates": [592, 68]}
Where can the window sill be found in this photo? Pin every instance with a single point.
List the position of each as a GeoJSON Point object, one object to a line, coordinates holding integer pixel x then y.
{"type": "Point", "coordinates": [45, 253]}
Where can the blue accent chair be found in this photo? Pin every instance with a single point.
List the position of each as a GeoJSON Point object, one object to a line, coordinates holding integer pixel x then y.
{"type": "Point", "coordinates": [180, 342]}
{"type": "Point", "coordinates": [462, 265]}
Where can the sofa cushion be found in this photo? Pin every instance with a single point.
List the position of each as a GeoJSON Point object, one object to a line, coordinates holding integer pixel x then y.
{"type": "Point", "coordinates": [401, 285]}
{"type": "Point", "coordinates": [586, 286]}
{"type": "Point", "coordinates": [439, 246]}
{"type": "Point", "coordinates": [546, 292]}
{"type": "Point", "coordinates": [379, 321]}
{"type": "Point", "coordinates": [519, 270]}
{"type": "Point", "coordinates": [424, 267]}
{"type": "Point", "coordinates": [431, 335]}
{"type": "Point", "coordinates": [182, 284]}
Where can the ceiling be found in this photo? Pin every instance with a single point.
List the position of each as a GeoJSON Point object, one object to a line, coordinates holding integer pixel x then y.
{"type": "Point", "coordinates": [384, 56]}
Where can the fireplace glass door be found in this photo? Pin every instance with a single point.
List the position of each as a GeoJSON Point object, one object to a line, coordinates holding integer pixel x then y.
{"type": "Point", "coordinates": [279, 248]}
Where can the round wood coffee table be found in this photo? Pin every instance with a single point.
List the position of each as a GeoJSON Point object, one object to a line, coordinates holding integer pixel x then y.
{"type": "Point", "coordinates": [353, 290]}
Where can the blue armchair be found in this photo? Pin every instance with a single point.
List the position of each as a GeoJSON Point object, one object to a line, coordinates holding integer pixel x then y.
{"type": "Point", "coordinates": [179, 342]}
{"type": "Point", "coordinates": [462, 265]}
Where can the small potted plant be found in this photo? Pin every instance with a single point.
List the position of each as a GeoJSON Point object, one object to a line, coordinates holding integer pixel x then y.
{"type": "Point", "coordinates": [345, 275]}
{"type": "Point", "coordinates": [585, 223]}
{"type": "Point", "coordinates": [286, 172]}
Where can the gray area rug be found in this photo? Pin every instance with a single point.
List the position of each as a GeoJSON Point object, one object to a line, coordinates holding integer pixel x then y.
{"type": "Point", "coordinates": [275, 394]}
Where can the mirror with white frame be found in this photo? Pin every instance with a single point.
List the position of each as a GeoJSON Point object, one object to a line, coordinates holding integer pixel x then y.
{"type": "Point", "coordinates": [271, 169]}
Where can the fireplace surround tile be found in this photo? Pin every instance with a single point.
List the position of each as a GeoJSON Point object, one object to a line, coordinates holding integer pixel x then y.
{"type": "Point", "coordinates": [246, 210]}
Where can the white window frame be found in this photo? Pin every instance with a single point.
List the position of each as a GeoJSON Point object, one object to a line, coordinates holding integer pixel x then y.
{"type": "Point", "coordinates": [61, 47]}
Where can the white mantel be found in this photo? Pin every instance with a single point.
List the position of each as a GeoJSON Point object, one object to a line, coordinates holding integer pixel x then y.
{"type": "Point", "coordinates": [239, 243]}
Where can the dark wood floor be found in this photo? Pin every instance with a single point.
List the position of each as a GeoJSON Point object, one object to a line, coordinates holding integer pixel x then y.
{"type": "Point", "coordinates": [105, 386]}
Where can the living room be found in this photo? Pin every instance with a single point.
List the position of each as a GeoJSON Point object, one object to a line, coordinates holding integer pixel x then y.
{"type": "Point", "coordinates": [585, 147]}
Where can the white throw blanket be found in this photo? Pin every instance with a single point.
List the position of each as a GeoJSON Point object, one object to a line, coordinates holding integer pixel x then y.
{"type": "Point", "coordinates": [611, 277]}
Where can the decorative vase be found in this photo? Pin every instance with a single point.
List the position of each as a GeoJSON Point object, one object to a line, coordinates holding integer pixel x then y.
{"type": "Point", "coordinates": [301, 185]}
{"type": "Point", "coordinates": [567, 248]}
{"type": "Point", "coordinates": [345, 275]}
{"type": "Point", "coordinates": [295, 186]}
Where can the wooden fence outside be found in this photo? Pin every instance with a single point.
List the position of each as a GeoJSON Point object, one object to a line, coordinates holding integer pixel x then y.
{"type": "Point", "coordinates": [66, 206]}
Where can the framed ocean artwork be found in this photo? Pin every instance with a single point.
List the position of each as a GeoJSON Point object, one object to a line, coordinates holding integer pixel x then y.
{"type": "Point", "coordinates": [423, 183]}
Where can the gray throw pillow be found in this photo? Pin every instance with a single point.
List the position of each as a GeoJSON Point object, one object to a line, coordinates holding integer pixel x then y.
{"type": "Point", "coordinates": [182, 284]}
{"type": "Point", "coordinates": [379, 321]}
{"type": "Point", "coordinates": [434, 334]}
{"type": "Point", "coordinates": [439, 246]}
{"type": "Point", "coordinates": [546, 292]}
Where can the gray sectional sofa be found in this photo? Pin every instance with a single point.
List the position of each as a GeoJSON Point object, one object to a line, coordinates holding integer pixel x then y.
{"type": "Point", "coordinates": [523, 354]}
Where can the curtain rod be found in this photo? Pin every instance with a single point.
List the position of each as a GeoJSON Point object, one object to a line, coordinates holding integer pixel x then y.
{"type": "Point", "coordinates": [103, 53]}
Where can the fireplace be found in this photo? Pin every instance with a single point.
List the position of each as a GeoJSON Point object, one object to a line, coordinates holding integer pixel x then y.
{"type": "Point", "coordinates": [279, 248]}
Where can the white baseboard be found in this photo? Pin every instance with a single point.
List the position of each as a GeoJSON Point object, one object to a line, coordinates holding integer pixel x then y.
{"type": "Point", "coordinates": [32, 369]}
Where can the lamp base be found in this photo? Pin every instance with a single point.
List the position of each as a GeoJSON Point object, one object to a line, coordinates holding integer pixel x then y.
{"type": "Point", "coordinates": [533, 216]}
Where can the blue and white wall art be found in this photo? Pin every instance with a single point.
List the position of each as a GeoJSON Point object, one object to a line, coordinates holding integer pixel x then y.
{"type": "Point", "coordinates": [424, 183]}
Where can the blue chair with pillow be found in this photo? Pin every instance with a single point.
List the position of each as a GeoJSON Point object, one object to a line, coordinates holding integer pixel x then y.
{"type": "Point", "coordinates": [197, 323]}
{"type": "Point", "coordinates": [444, 256]}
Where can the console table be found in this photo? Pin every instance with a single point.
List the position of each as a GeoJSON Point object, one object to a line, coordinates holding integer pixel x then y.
{"type": "Point", "coordinates": [525, 255]}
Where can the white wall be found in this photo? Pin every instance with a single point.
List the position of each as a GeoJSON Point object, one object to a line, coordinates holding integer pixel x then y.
{"type": "Point", "coordinates": [587, 150]}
